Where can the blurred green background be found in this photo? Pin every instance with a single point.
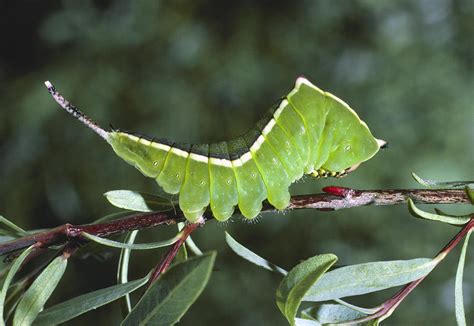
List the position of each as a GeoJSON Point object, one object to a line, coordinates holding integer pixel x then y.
{"type": "Point", "coordinates": [204, 71]}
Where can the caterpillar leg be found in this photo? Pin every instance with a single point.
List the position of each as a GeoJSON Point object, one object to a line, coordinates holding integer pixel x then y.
{"type": "Point", "coordinates": [223, 186]}
{"type": "Point", "coordinates": [252, 190]}
{"type": "Point", "coordinates": [194, 194]}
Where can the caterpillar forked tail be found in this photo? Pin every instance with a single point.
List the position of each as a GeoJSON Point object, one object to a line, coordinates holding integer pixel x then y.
{"type": "Point", "coordinates": [75, 112]}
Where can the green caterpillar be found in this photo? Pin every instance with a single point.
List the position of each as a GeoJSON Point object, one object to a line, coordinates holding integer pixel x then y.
{"type": "Point", "coordinates": [310, 132]}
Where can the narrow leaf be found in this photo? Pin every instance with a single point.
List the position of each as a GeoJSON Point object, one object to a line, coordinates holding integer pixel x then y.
{"type": "Point", "coordinates": [440, 184]}
{"type": "Point", "coordinates": [470, 194]}
{"type": "Point", "coordinates": [182, 254]}
{"type": "Point", "coordinates": [6, 284]}
{"type": "Point", "coordinates": [374, 322]}
{"type": "Point", "coordinates": [171, 295]}
{"type": "Point", "coordinates": [298, 281]}
{"type": "Point", "coordinates": [306, 322]}
{"type": "Point", "coordinates": [251, 256]}
{"type": "Point", "coordinates": [124, 261]}
{"type": "Point", "coordinates": [138, 201]}
{"type": "Point", "coordinates": [11, 228]}
{"type": "Point", "coordinates": [77, 306]}
{"type": "Point", "coordinates": [458, 295]}
{"type": "Point", "coordinates": [137, 246]}
{"type": "Point", "coordinates": [366, 311]}
{"type": "Point", "coordinates": [369, 277]}
{"type": "Point", "coordinates": [332, 313]}
{"type": "Point", "coordinates": [416, 212]}
{"type": "Point", "coordinates": [32, 302]}
{"type": "Point", "coordinates": [441, 212]}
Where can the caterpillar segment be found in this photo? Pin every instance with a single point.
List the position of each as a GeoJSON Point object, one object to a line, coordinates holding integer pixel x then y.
{"type": "Point", "coordinates": [309, 132]}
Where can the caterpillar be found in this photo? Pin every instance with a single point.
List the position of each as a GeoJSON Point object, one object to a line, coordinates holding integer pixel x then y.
{"type": "Point", "coordinates": [309, 132]}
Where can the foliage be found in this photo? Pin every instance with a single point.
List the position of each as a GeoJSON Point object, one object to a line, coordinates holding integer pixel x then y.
{"type": "Point", "coordinates": [168, 297]}
{"type": "Point", "coordinates": [205, 71]}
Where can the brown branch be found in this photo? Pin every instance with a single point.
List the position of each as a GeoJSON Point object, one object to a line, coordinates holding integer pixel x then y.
{"type": "Point", "coordinates": [335, 198]}
{"type": "Point", "coordinates": [341, 197]}
{"type": "Point", "coordinates": [169, 256]}
{"type": "Point", "coordinates": [68, 232]}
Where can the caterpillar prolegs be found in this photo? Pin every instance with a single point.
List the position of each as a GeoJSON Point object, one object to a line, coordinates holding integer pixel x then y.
{"type": "Point", "coordinates": [309, 132]}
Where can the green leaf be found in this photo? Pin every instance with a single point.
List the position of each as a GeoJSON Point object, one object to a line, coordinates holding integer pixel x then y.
{"type": "Point", "coordinates": [122, 275]}
{"type": "Point", "coordinates": [416, 212]}
{"type": "Point", "coordinates": [138, 201]}
{"type": "Point", "coordinates": [470, 194]}
{"type": "Point", "coordinates": [369, 277]}
{"type": "Point", "coordinates": [32, 302]}
{"type": "Point", "coordinates": [306, 322]}
{"type": "Point", "coordinates": [366, 311]}
{"type": "Point", "coordinates": [171, 295]}
{"type": "Point", "coordinates": [458, 295]}
{"type": "Point", "coordinates": [374, 322]}
{"type": "Point", "coordinates": [182, 254]}
{"type": "Point", "coordinates": [11, 228]}
{"type": "Point", "coordinates": [298, 281]}
{"type": "Point", "coordinates": [441, 212]}
{"type": "Point", "coordinates": [440, 184]}
{"type": "Point", "coordinates": [251, 256]}
{"type": "Point", "coordinates": [6, 284]}
{"type": "Point", "coordinates": [138, 246]}
{"type": "Point", "coordinates": [332, 313]}
{"type": "Point", "coordinates": [77, 306]}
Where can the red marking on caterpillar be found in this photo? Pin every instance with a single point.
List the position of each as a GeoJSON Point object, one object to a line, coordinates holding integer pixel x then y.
{"type": "Point", "coordinates": [337, 191]}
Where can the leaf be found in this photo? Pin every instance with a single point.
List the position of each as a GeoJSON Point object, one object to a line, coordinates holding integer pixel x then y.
{"type": "Point", "coordinates": [470, 194]}
{"type": "Point", "coordinates": [366, 311]}
{"type": "Point", "coordinates": [298, 281]}
{"type": "Point", "coordinates": [32, 302]}
{"type": "Point", "coordinates": [251, 256]}
{"type": "Point", "coordinates": [171, 295]}
{"type": "Point", "coordinates": [182, 254]}
{"type": "Point", "coordinates": [11, 228]}
{"type": "Point", "coordinates": [193, 247]}
{"type": "Point", "coordinates": [138, 201]}
{"type": "Point", "coordinates": [6, 284]}
{"type": "Point", "coordinates": [332, 313]}
{"type": "Point", "coordinates": [374, 322]}
{"type": "Point", "coordinates": [441, 212]}
{"type": "Point", "coordinates": [416, 212]}
{"type": "Point", "coordinates": [306, 322]}
{"type": "Point", "coordinates": [77, 306]}
{"type": "Point", "coordinates": [440, 184]}
{"type": "Point", "coordinates": [137, 246]}
{"type": "Point", "coordinates": [369, 277]}
{"type": "Point", "coordinates": [458, 295]}
{"type": "Point", "coordinates": [122, 275]}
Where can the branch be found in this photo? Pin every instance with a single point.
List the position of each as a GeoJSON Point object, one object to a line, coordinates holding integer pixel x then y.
{"type": "Point", "coordinates": [335, 198]}
{"type": "Point", "coordinates": [341, 197]}
{"type": "Point", "coordinates": [169, 256]}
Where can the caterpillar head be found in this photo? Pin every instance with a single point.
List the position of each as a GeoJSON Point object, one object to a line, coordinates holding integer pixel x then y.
{"type": "Point", "coordinates": [323, 173]}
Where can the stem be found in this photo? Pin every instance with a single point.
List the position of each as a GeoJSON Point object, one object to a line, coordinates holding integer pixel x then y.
{"type": "Point", "coordinates": [168, 258]}
{"type": "Point", "coordinates": [342, 197]}
{"type": "Point", "coordinates": [68, 232]}
{"type": "Point", "coordinates": [335, 198]}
